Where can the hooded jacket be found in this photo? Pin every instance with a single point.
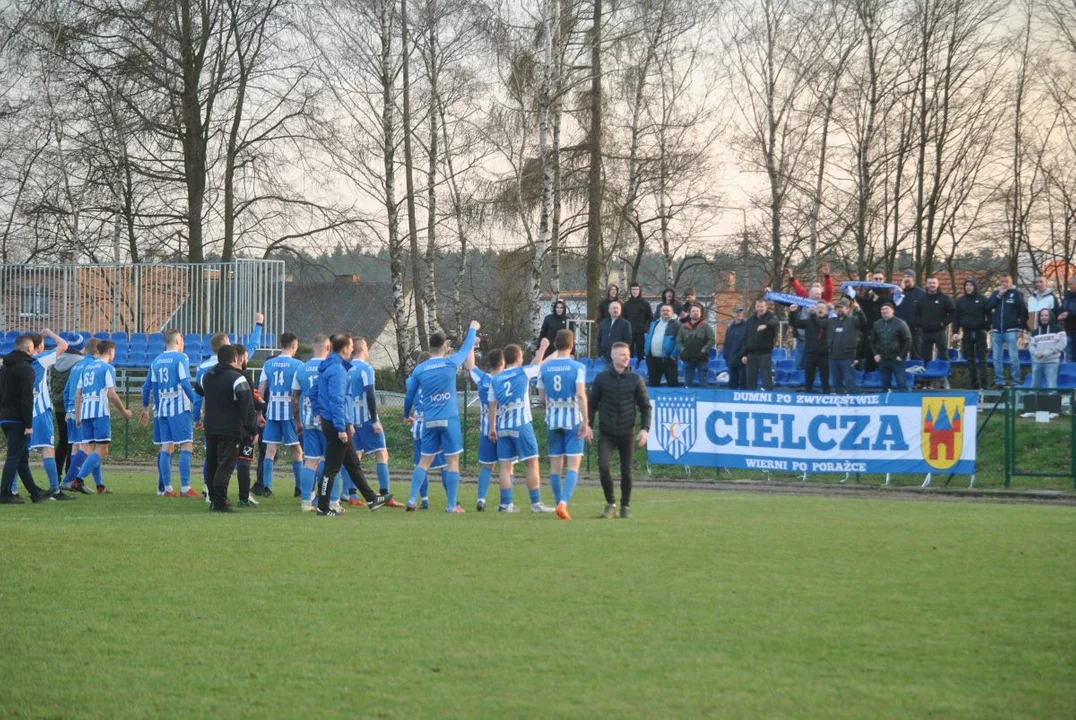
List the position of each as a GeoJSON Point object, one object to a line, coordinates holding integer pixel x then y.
{"type": "Point", "coordinates": [969, 312]}
{"type": "Point", "coordinates": [229, 403]}
{"type": "Point", "coordinates": [17, 388]}
{"type": "Point", "coordinates": [331, 397]}
{"type": "Point", "coordinates": [552, 324]}
{"type": "Point", "coordinates": [908, 310]}
{"type": "Point", "coordinates": [1047, 343]}
{"type": "Point", "coordinates": [1008, 311]}
{"type": "Point", "coordinates": [935, 311]}
{"type": "Point", "coordinates": [693, 341]}
{"type": "Point", "coordinates": [638, 312]}
{"type": "Point", "coordinates": [59, 374]}
{"type": "Point", "coordinates": [1068, 304]}
{"type": "Point", "coordinates": [668, 341]}
{"type": "Point", "coordinates": [735, 336]}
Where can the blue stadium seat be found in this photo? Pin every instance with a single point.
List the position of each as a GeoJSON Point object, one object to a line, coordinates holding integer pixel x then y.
{"type": "Point", "coordinates": [779, 353]}
{"type": "Point", "coordinates": [120, 337]}
{"type": "Point", "coordinates": [139, 339]}
{"type": "Point", "coordinates": [138, 359]}
{"type": "Point", "coordinates": [103, 335]}
{"type": "Point", "coordinates": [10, 335]}
{"type": "Point", "coordinates": [871, 380]}
{"type": "Point", "coordinates": [1025, 358]}
{"type": "Point", "coordinates": [713, 354]}
{"type": "Point", "coordinates": [1067, 368]}
{"type": "Point", "coordinates": [786, 365]}
{"type": "Point", "coordinates": [1066, 382]}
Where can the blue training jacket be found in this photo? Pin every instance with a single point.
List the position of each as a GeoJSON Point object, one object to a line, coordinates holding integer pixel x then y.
{"type": "Point", "coordinates": [331, 395]}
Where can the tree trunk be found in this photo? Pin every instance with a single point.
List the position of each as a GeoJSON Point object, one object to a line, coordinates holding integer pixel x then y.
{"type": "Point", "coordinates": [412, 220]}
{"type": "Point", "coordinates": [594, 189]}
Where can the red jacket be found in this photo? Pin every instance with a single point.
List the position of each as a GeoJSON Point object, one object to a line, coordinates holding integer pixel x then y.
{"type": "Point", "coordinates": [827, 288]}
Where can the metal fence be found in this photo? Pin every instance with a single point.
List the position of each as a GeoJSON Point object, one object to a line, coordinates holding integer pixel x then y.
{"type": "Point", "coordinates": [143, 298]}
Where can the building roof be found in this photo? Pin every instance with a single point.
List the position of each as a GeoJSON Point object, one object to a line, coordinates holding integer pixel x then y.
{"type": "Point", "coordinates": [345, 305]}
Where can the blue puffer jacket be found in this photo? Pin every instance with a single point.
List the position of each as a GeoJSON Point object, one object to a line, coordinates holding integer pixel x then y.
{"type": "Point", "coordinates": [668, 344]}
{"type": "Point", "coordinates": [331, 396]}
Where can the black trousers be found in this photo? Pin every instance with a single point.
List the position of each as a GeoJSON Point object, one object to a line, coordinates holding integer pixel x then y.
{"type": "Point", "coordinates": [814, 363]}
{"type": "Point", "coordinates": [759, 371]}
{"type": "Point", "coordinates": [63, 450]}
{"type": "Point", "coordinates": [973, 346]}
{"type": "Point", "coordinates": [340, 453]}
{"type": "Point", "coordinates": [242, 468]}
{"type": "Point", "coordinates": [935, 340]}
{"type": "Point", "coordinates": [661, 367]}
{"type": "Point", "coordinates": [18, 460]}
{"type": "Point", "coordinates": [917, 343]}
{"type": "Point", "coordinates": [221, 456]}
{"type": "Point", "coordinates": [638, 345]}
{"type": "Point", "coordinates": [625, 445]}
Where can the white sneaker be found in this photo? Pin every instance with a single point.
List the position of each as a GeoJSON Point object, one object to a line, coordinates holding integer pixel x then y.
{"type": "Point", "coordinates": [541, 508]}
{"type": "Point", "coordinates": [337, 507]}
{"type": "Point", "coordinates": [308, 506]}
{"type": "Point", "coordinates": [509, 508]}
{"type": "Point", "coordinates": [252, 501]}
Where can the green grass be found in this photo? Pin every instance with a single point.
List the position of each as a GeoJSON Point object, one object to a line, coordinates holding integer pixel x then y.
{"type": "Point", "coordinates": [704, 604]}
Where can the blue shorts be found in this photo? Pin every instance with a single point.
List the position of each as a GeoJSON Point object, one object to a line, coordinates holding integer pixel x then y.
{"type": "Point", "coordinates": [565, 443]}
{"type": "Point", "coordinates": [366, 440]}
{"type": "Point", "coordinates": [313, 444]}
{"type": "Point", "coordinates": [442, 438]}
{"type": "Point", "coordinates": [280, 432]}
{"type": "Point", "coordinates": [74, 432]}
{"type": "Point", "coordinates": [97, 430]}
{"type": "Point", "coordinates": [439, 460]}
{"type": "Point", "coordinates": [487, 450]}
{"type": "Point", "coordinates": [43, 431]}
{"type": "Point", "coordinates": [517, 444]}
{"type": "Point", "coordinates": [177, 429]}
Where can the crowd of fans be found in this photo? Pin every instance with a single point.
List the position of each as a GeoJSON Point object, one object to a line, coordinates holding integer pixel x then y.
{"type": "Point", "coordinates": [874, 325]}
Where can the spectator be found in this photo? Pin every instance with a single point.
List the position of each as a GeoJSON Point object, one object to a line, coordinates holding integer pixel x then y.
{"type": "Point", "coordinates": [732, 350]}
{"type": "Point", "coordinates": [613, 329]}
{"type": "Point", "coordinates": [668, 297]}
{"type": "Point", "coordinates": [908, 311]}
{"type": "Point", "coordinates": [797, 318]}
{"type": "Point", "coordinates": [615, 395]}
{"type": "Point", "coordinates": [661, 348]}
{"type": "Point", "coordinates": [842, 341]}
{"type": "Point", "coordinates": [17, 420]}
{"type": "Point", "coordinates": [759, 341]}
{"type": "Point", "coordinates": [1041, 298]}
{"type": "Point", "coordinates": [553, 323]}
{"type": "Point", "coordinates": [891, 341]}
{"type": "Point", "coordinates": [935, 314]}
{"type": "Point", "coordinates": [612, 294]}
{"type": "Point", "coordinates": [970, 321]}
{"type": "Point", "coordinates": [825, 288]}
{"type": "Point", "coordinates": [1046, 345]}
{"type": "Point", "coordinates": [693, 344]}
{"type": "Point", "coordinates": [1068, 317]}
{"type": "Point", "coordinates": [816, 351]}
{"type": "Point", "coordinates": [689, 299]}
{"type": "Point", "coordinates": [639, 315]}
{"type": "Point", "coordinates": [1008, 318]}
{"type": "Point", "coordinates": [870, 304]}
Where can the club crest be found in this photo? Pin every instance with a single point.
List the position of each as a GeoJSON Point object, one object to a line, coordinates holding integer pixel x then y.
{"type": "Point", "coordinates": [675, 422]}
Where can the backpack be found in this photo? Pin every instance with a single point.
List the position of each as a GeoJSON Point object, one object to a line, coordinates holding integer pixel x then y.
{"type": "Point", "coordinates": [57, 383]}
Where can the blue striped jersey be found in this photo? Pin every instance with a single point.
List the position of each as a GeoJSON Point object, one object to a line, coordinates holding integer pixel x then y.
{"type": "Point", "coordinates": [481, 381]}
{"type": "Point", "coordinates": [72, 383]}
{"type": "Point", "coordinates": [42, 399]}
{"type": "Point", "coordinates": [170, 384]}
{"type": "Point", "coordinates": [304, 380]}
{"type": "Point", "coordinates": [278, 374]}
{"type": "Point", "coordinates": [436, 379]}
{"type": "Point", "coordinates": [95, 380]}
{"type": "Point", "coordinates": [361, 376]}
{"type": "Point", "coordinates": [254, 341]}
{"type": "Point", "coordinates": [511, 389]}
{"type": "Point", "coordinates": [561, 379]}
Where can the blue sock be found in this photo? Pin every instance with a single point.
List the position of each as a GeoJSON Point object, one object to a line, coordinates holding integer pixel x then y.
{"type": "Point", "coordinates": [425, 490]}
{"type": "Point", "coordinates": [506, 496]}
{"type": "Point", "coordinates": [51, 472]}
{"type": "Point", "coordinates": [536, 495]}
{"type": "Point", "coordinates": [485, 474]}
{"type": "Point", "coordinates": [185, 469]}
{"type": "Point", "coordinates": [164, 470]}
{"type": "Point", "coordinates": [383, 477]}
{"type": "Point", "coordinates": [418, 483]}
{"type": "Point", "coordinates": [306, 483]}
{"type": "Point", "coordinates": [338, 482]}
{"type": "Point", "coordinates": [554, 483]}
{"type": "Point", "coordinates": [297, 471]}
{"type": "Point", "coordinates": [92, 460]}
{"type": "Point", "coordinates": [452, 488]}
{"type": "Point", "coordinates": [76, 463]}
{"type": "Point", "coordinates": [267, 473]}
{"type": "Point", "coordinates": [97, 479]}
{"type": "Point", "coordinates": [205, 472]}
{"type": "Point", "coordinates": [349, 487]}
{"type": "Point", "coordinates": [444, 480]}
{"type": "Point", "coordinates": [569, 485]}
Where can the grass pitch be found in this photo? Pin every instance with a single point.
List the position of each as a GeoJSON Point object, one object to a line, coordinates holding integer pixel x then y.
{"type": "Point", "coordinates": [704, 604]}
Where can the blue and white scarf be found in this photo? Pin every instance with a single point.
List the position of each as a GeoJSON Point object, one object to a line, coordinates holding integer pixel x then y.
{"type": "Point", "coordinates": [789, 299]}
{"type": "Point", "coordinates": [848, 287]}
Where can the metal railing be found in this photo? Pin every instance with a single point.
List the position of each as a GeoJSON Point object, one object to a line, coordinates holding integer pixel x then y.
{"type": "Point", "coordinates": [143, 298]}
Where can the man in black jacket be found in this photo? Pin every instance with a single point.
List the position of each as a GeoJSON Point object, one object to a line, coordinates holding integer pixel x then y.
{"type": "Point", "coordinates": [612, 330]}
{"type": "Point", "coordinates": [970, 321]}
{"type": "Point", "coordinates": [552, 324]}
{"type": "Point", "coordinates": [908, 311]}
{"type": "Point", "coordinates": [935, 313]}
{"type": "Point", "coordinates": [842, 340]}
{"type": "Point", "coordinates": [17, 419]}
{"type": "Point", "coordinates": [870, 304]}
{"type": "Point", "coordinates": [615, 395]}
{"type": "Point", "coordinates": [1008, 320]}
{"type": "Point", "coordinates": [229, 416]}
{"type": "Point", "coordinates": [891, 341]}
{"type": "Point", "coordinates": [815, 348]}
{"type": "Point", "coordinates": [759, 341]}
{"type": "Point", "coordinates": [639, 315]}
{"type": "Point", "coordinates": [732, 349]}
